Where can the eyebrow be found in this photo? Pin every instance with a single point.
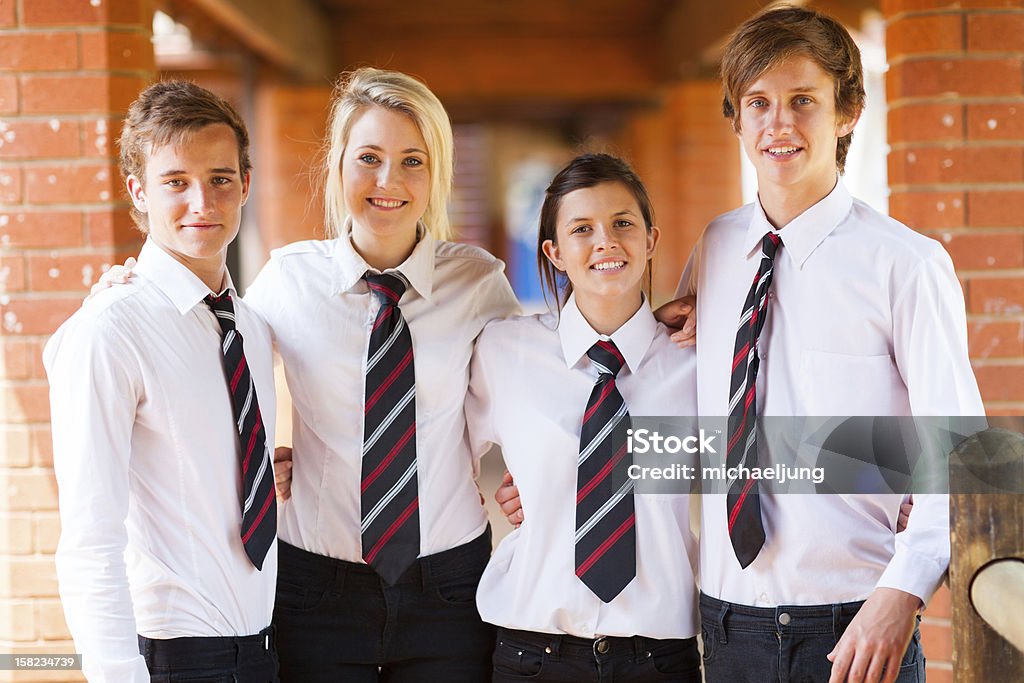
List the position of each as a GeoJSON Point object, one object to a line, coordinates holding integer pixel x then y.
{"type": "Point", "coordinates": [381, 149]}
{"type": "Point", "coordinates": [219, 171]}
{"type": "Point", "coordinates": [797, 90]}
{"type": "Point", "coordinates": [624, 212]}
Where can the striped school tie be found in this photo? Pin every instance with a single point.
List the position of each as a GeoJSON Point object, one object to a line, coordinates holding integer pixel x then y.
{"type": "Point", "coordinates": [746, 528]}
{"type": "Point", "coordinates": [389, 499]}
{"type": "Point", "coordinates": [605, 516]}
{"type": "Point", "coordinates": [259, 508]}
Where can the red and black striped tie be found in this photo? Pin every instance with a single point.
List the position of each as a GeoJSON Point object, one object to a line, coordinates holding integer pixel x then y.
{"type": "Point", "coordinates": [605, 515]}
{"type": "Point", "coordinates": [746, 528]}
{"type": "Point", "coordinates": [390, 503]}
{"type": "Point", "coordinates": [259, 508]}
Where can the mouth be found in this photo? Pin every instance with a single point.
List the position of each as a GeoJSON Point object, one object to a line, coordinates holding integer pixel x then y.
{"type": "Point", "coordinates": [201, 226]}
{"type": "Point", "coordinates": [380, 203]}
{"type": "Point", "coordinates": [783, 152]}
{"type": "Point", "coordinates": [609, 266]}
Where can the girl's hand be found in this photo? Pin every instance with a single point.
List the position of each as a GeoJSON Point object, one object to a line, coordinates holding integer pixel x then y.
{"type": "Point", "coordinates": [115, 275]}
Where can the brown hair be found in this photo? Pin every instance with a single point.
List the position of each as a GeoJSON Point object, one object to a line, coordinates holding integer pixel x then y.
{"type": "Point", "coordinates": [774, 35]}
{"type": "Point", "coordinates": [586, 170]}
{"type": "Point", "coordinates": [168, 113]}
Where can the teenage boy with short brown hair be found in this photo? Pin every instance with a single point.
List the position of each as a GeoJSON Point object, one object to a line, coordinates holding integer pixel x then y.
{"type": "Point", "coordinates": [162, 421]}
{"type": "Point", "coordinates": [850, 313]}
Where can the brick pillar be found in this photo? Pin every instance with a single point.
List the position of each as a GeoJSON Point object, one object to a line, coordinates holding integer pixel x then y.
{"type": "Point", "coordinates": [289, 126]}
{"type": "Point", "coordinates": [68, 70]}
{"type": "Point", "coordinates": [689, 158]}
{"type": "Point", "coordinates": [956, 128]}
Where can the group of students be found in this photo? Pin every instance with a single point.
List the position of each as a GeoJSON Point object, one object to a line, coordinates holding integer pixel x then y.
{"type": "Point", "coordinates": [406, 360]}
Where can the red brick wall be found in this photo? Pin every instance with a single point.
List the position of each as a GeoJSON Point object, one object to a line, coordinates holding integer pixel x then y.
{"type": "Point", "coordinates": [68, 70]}
{"type": "Point", "coordinates": [689, 159]}
{"type": "Point", "coordinates": [289, 125]}
{"type": "Point", "coordinates": [956, 169]}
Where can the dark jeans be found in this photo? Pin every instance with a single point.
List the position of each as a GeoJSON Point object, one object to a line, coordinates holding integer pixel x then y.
{"type": "Point", "coordinates": [243, 659]}
{"type": "Point", "coordinates": [783, 644]}
{"type": "Point", "coordinates": [526, 655]}
{"type": "Point", "coordinates": [337, 621]}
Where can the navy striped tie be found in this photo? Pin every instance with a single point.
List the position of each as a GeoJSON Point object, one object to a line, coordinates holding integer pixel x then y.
{"type": "Point", "coordinates": [390, 503]}
{"type": "Point", "coordinates": [259, 509]}
{"type": "Point", "coordinates": [746, 528]}
{"type": "Point", "coordinates": [605, 516]}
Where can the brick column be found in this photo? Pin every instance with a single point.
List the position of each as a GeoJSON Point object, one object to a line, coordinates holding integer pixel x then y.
{"type": "Point", "coordinates": [688, 156]}
{"type": "Point", "coordinates": [68, 70]}
{"type": "Point", "coordinates": [956, 129]}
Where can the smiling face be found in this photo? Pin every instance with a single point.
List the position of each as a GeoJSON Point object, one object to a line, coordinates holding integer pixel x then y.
{"type": "Point", "coordinates": [602, 246]}
{"type": "Point", "coordinates": [789, 128]}
{"type": "Point", "coordinates": [385, 175]}
{"type": "Point", "coordinates": [192, 195]}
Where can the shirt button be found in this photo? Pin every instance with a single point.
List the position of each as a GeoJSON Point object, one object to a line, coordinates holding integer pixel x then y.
{"type": "Point", "coordinates": [601, 646]}
{"type": "Point", "coordinates": [547, 650]}
{"type": "Point", "coordinates": [784, 619]}
{"type": "Point", "coordinates": [771, 294]}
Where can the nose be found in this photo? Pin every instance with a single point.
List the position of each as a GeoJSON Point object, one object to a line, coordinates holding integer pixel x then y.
{"type": "Point", "coordinates": [780, 120]}
{"type": "Point", "coordinates": [385, 175]}
{"type": "Point", "coordinates": [201, 199]}
{"type": "Point", "coordinates": [606, 238]}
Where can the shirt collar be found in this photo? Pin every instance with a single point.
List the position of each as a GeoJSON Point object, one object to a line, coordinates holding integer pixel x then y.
{"type": "Point", "coordinates": [632, 339]}
{"type": "Point", "coordinates": [177, 282]}
{"type": "Point", "coordinates": [349, 266]}
{"type": "Point", "coordinates": [805, 232]}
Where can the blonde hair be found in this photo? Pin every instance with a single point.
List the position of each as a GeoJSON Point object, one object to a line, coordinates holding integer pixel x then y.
{"type": "Point", "coordinates": [395, 91]}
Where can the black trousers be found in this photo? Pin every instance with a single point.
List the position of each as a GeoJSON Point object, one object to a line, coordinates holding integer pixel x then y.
{"type": "Point", "coordinates": [242, 659]}
{"type": "Point", "coordinates": [527, 655]}
{"type": "Point", "coordinates": [337, 621]}
{"type": "Point", "coordinates": [744, 644]}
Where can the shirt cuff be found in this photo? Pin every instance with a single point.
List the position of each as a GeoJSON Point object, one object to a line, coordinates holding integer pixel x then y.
{"type": "Point", "coordinates": [913, 573]}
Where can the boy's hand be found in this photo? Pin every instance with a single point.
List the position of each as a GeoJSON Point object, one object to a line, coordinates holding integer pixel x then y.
{"type": "Point", "coordinates": [877, 638]}
{"type": "Point", "coordinates": [681, 316]}
{"type": "Point", "coordinates": [507, 497]}
{"type": "Point", "coordinates": [283, 472]}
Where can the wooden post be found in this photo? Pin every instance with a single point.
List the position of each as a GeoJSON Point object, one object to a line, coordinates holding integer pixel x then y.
{"type": "Point", "coordinates": [987, 526]}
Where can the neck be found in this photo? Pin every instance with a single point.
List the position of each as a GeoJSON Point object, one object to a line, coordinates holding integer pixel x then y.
{"type": "Point", "coordinates": [383, 251]}
{"type": "Point", "coordinates": [607, 314]}
{"type": "Point", "coordinates": [212, 271]}
{"type": "Point", "coordinates": [782, 204]}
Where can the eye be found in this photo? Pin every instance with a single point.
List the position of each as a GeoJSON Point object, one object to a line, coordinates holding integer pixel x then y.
{"type": "Point", "coordinates": [413, 161]}
{"type": "Point", "coordinates": [175, 182]}
{"type": "Point", "coordinates": [803, 99]}
{"type": "Point", "coordinates": [578, 229]}
{"type": "Point", "coordinates": [221, 180]}
{"type": "Point", "coordinates": [368, 158]}
{"type": "Point", "coordinates": [757, 103]}
{"type": "Point", "coordinates": [623, 223]}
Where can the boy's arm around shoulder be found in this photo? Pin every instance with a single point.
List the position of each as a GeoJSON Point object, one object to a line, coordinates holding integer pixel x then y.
{"type": "Point", "coordinates": [95, 386]}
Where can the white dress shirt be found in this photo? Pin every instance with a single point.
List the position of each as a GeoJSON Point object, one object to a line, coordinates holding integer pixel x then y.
{"type": "Point", "coordinates": [145, 450]}
{"type": "Point", "coordinates": [865, 317]}
{"type": "Point", "coordinates": [531, 381]}
{"type": "Point", "coordinates": [321, 313]}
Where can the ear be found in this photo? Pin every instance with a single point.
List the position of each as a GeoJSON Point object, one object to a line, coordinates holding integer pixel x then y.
{"type": "Point", "coordinates": [551, 250]}
{"type": "Point", "coordinates": [137, 192]}
{"type": "Point", "coordinates": [846, 126]}
{"type": "Point", "coordinates": [653, 236]}
{"type": "Point", "coordinates": [245, 187]}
